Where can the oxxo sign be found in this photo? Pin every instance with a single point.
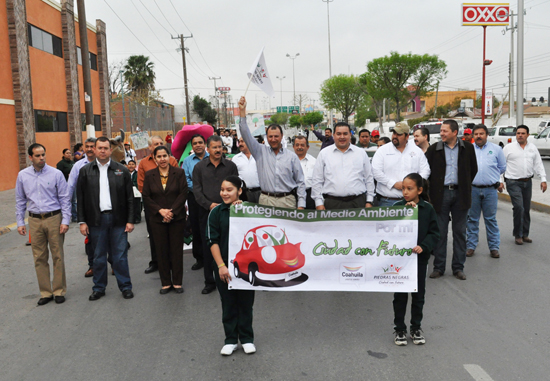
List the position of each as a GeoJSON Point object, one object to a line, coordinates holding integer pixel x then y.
{"type": "Point", "coordinates": [485, 14]}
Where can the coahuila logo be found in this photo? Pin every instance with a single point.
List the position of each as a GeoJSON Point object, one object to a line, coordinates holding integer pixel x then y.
{"type": "Point", "coordinates": [352, 272]}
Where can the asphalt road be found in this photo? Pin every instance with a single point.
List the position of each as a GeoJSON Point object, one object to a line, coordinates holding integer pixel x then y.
{"type": "Point", "coordinates": [493, 326]}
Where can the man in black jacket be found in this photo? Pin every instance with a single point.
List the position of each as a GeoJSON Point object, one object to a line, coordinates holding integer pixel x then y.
{"type": "Point", "coordinates": [106, 213]}
{"type": "Point", "coordinates": [453, 168]}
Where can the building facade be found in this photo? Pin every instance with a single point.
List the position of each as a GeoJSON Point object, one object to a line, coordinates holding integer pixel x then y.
{"type": "Point", "coordinates": [41, 82]}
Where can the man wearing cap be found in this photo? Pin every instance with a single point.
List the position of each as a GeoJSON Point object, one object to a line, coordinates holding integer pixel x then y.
{"type": "Point", "coordinates": [468, 136]}
{"type": "Point", "coordinates": [453, 167]}
{"type": "Point", "coordinates": [491, 163]}
{"type": "Point", "coordinates": [374, 137]}
{"type": "Point", "coordinates": [392, 162]}
{"type": "Point", "coordinates": [129, 153]}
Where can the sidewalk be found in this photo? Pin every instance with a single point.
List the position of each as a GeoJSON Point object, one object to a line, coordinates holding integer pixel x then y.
{"type": "Point", "coordinates": [539, 201]}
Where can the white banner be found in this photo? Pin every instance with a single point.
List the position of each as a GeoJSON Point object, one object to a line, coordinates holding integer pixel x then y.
{"type": "Point", "coordinates": [140, 140]}
{"type": "Point", "coordinates": [311, 250]}
{"type": "Point", "coordinates": [260, 75]}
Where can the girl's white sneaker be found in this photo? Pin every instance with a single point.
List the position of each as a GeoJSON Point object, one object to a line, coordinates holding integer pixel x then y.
{"type": "Point", "coordinates": [249, 348]}
{"type": "Point", "coordinates": [228, 349]}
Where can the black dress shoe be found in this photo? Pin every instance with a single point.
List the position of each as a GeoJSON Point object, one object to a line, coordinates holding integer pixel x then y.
{"type": "Point", "coordinates": [164, 291]}
{"type": "Point", "coordinates": [127, 294]}
{"type": "Point", "coordinates": [197, 266]}
{"type": "Point", "coordinates": [43, 301]}
{"type": "Point", "coordinates": [59, 299]}
{"type": "Point", "coordinates": [151, 269]}
{"type": "Point", "coordinates": [208, 289]}
{"type": "Point", "coordinates": [178, 290]}
{"type": "Point", "coordinates": [96, 295]}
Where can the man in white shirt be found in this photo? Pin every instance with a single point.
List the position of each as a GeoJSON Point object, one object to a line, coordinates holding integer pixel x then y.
{"type": "Point", "coordinates": [522, 163]}
{"type": "Point", "coordinates": [422, 138]}
{"type": "Point", "coordinates": [248, 172]}
{"type": "Point", "coordinates": [227, 140]}
{"type": "Point", "coordinates": [392, 162]}
{"type": "Point", "coordinates": [342, 177]}
{"type": "Point", "coordinates": [301, 146]}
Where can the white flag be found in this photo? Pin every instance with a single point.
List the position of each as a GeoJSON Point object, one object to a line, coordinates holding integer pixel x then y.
{"type": "Point", "coordinates": [260, 75]}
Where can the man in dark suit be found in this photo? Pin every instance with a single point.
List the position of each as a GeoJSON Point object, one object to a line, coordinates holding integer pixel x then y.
{"type": "Point", "coordinates": [208, 176]}
{"type": "Point", "coordinates": [106, 214]}
{"type": "Point", "coordinates": [453, 167]}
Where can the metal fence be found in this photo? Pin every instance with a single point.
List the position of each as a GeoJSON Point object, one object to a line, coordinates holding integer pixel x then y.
{"type": "Point", "coordinates": [157, 117]}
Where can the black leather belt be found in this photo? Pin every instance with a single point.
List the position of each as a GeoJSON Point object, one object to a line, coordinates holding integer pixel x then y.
{"type": "Point", "coordinates": [107, 212]}
{"type": "Point", "coordinates": [347, 198]}
{"type": "Point", "coordinates": [484, 186]}
{"type": "Point", "coordinates": [525, 179]}
{"type": "Point", "coordinates": [279, 195]}
{"type": "Point", "coordinates": [254, 189]}
{"type": "Point", "coordinates": [43, 216]}
{"type": "Point", "coordinates": [450, 187]}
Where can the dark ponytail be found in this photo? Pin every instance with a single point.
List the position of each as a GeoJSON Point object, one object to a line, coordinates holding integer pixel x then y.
{"type": "Point", "coordinates": [239, 184]}
{"type": "Point", "coordinates": [420, 183]}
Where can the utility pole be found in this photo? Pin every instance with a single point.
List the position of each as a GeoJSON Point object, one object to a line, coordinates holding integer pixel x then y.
{"type": "Point", "coordinates": [519, 114]}
{"type": "Point", "coordinates": [122, 92]}
{"type": "Point", "coordinates": [216, 96]}
{"type": "Point", "coordinates": [436, 95]}
{"type": "Point", "coordinates": [511, 100]}
{"type": "Point", "coordinates": [182, 38]}
{"type": "Point", "coordinates": [281, 79]}
{"type": "Point", "coordinates": [86, 76]}
{"type": "Point", "coordinates": [293, 77]}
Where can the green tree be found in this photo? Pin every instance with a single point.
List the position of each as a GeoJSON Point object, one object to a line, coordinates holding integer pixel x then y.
{"type": "Point", "coordinates": [280, 118]}
{"type": "Point", "coordinates": [365, 110]}
{"type": "Point", "coordinates": [295, 121]}
{"type": "Point", "coordinates": [342, 93]}
{"type": "Point", "coordinates": [312, 118]}
{"type": "Point", "coordinates": [403, 77]}
{"type": "Point", "coordinates": [139, 74]}
{"type": "Point", "coordinates": [204, 109]}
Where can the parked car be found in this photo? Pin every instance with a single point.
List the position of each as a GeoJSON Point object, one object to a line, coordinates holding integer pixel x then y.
{"type": "Point", "coordinates": [542, 142]}
{"type": "Point", "coordinates": [502, 135]}
{"type": "Point", "coordinates": [543, 125]}
{"type": "Point", "coordinates": [433, 127]}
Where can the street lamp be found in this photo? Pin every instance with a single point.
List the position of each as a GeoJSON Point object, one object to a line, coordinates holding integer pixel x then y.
{"type": "Point", "coordinates": [293, 78]}
{"type": "Point", "coordinates": [329, 59]}
{"type": "Point", "coordinates": [281, 79]}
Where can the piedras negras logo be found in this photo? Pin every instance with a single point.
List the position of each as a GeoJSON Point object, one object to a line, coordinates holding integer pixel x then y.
{"type": "Point", "coordinates": [268, 259]}
{"type": "Point", "coordinates": [352, 272]}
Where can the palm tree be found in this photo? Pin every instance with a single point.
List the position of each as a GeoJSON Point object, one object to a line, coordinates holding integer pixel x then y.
{"type": "Point", "coordinates": [139, 74]}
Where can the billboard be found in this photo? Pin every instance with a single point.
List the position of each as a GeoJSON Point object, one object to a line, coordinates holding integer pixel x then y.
{"type": "Point", "coordinates": [486, 14]}
{"type": "Point", "coordinates": [488, 103]}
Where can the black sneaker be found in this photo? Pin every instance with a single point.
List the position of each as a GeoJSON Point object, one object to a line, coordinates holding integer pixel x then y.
{"type": "Point", "coordinates": [400, 338]}
{"type": "Point", "coordinates": [417, 337]}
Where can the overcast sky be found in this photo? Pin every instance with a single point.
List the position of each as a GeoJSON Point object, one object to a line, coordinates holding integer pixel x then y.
{"type": "Point", "coordinates": [228, 35]}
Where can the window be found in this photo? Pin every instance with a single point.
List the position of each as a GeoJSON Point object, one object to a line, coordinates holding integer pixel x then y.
{"type": "Point", "coordinates": [97, 122]}
{"type": "Point", "coordinates": [50, 121]}
{"type": "Point", "coordinates": [434, 128]}
{"type": "Point", "coordinates": [507, 131]}
{"type": "Point", "coordinates": [45, 41]}
{"type": "Point", "coordinates": [492, 131]}
{"type": "Point", "coordinates": [93, 58]}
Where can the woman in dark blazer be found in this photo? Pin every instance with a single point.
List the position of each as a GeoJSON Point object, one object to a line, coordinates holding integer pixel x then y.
{"type": "Point", "coordinates": [164, 194]}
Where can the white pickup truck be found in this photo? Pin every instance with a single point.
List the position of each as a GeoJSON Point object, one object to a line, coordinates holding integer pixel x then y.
{"type": "Point", "coordinates": [502, 135]}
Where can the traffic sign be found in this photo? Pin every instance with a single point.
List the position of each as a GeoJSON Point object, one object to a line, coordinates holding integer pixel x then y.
{"type": "Point", "coordinates": [224, 88]}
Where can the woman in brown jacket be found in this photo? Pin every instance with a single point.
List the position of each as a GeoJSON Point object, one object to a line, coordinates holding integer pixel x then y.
{"type": "Point", "coordinates": [164, 194]}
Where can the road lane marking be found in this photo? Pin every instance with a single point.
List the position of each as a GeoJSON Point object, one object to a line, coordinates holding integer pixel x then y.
{"type": "Point", "coordinates": [477, 372]}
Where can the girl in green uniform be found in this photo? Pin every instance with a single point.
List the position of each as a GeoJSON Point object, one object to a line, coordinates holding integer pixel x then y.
{"type": "Point", "coordinates": [415, 194]}
{"type": "Point", "coordinates": [236, 304]}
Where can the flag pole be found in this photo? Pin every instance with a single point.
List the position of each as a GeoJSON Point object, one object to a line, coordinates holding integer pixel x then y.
{"type": "Point", "coordinates": [247, 86]}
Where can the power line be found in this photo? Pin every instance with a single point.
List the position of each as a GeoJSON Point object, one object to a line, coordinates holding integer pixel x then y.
{"type": "Point", "coordinates": [146, 48]}
{"type": "Point", "coordinates": [153, 16]}
{"type": "Point", "coordinates": [163, 15]}
{"type": "Point", "coordinates": [177, 13]}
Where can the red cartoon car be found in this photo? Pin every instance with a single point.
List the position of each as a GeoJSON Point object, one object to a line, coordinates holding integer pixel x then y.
{"type": "Point", "coordinates": [266, 255]}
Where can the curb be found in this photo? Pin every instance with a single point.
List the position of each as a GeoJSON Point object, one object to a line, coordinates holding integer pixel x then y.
{"type": "Point", "coordinates": [543, 208]}
{"type": "Point", "coordinates": [9, 228]}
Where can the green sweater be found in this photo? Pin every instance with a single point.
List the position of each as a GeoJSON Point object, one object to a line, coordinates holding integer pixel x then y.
{"type": "Point", "coordinates": [217, 230]}
{"type": "Point", "coordinates": [428, 229]}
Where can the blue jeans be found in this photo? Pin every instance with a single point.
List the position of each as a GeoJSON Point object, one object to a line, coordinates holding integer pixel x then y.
{"type": "Point", "coordinates": [520, 193]}
{"type": "Point", "coordinates": [384, 201]}
{"type": "Point", "coordinates": [74, 214]}
{"type": "Point", "coordinates": [104, 238]}
{"type": "Point", "coordinates": [486, 200]}
{"type": "Point", "coordinates": [449, 206]}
